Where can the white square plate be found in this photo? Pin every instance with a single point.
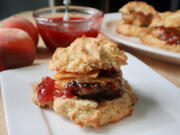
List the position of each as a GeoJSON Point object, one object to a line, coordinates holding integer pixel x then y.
{"type": "Point", "coordinates": [108, 28]}
{"type": "Point", "coordinates": [157, 111]}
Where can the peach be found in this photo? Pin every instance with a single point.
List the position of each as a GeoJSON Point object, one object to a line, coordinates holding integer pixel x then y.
{"type": "Point", "coordinates": [16, 48]}
{"type": "Point", "coordinates": [23, 24]}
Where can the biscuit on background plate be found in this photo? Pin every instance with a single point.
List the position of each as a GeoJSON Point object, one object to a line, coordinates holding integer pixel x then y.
{"type": "Point", "coordinates": [164, 32]}
{"type": "Point", "coordinates": [166, 19]}
{"type": "Point", "coordinates": [136, 17]}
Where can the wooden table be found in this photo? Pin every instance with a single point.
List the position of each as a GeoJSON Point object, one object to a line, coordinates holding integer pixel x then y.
{"type": "Point", "coordinates": [169, 71]}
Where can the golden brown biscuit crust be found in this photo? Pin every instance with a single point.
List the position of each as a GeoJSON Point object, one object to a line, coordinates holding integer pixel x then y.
{"type": "Point", "coordinates": [90, 113]}
{"type": "Point", "coordinates": [157, 43]}
{"type": "Point", "coordinates": [138, 6]}
{"type": "Point", "coordinates": [173, 20]}
{"type": "Point", "coordinates": [131, 30]}
{"type": "Point", "coordinates": [87, 54]}
{"type": "Point", "coordinates": [167, 19]}
{"type": "Point", "coordinates": [137, 26]}
{"type": "Point", "coordinates": [158, 20]}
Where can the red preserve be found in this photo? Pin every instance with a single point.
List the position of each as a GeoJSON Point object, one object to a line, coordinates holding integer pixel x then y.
{"type": "Point", "coordinates": [46, 91]}
{"type": "Point", "coordinates": [58, 33]}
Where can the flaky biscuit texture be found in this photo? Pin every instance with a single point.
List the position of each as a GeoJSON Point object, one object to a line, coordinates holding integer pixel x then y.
{"type": "Point", "coordinates": [138, 6]}
{"type": "Point", "coordinates": [131, 30]}
{"type": "Point", "coordinates": [167, 19]}
{"type": "Point", "coordinates": [90, 113]}
{"type": "Point", "coordinates": [87, 54]}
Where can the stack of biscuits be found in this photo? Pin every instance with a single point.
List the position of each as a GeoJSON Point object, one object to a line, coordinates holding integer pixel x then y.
{"type": "Point", "coordinates": [88, 86]}
{"type": "Point", "coordinates": [159, 30]}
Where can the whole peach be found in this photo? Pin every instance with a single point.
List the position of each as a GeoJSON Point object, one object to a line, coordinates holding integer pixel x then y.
{"type": "Point", "coordinates": [23, 24]}
{"type": "Point", "coordinates": [16, 48]}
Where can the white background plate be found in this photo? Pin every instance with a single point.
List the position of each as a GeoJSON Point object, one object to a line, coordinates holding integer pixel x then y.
{"type": "Point", "coordinates": [157, 112]}
{"type": "Point", "coordinates": [108, 28]}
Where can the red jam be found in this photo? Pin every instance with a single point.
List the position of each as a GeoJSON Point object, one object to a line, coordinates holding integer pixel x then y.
{"type": "Point", "coordinates": [46, 91]}
{"type": "Point", "coordinates": [58, 34]}
{"type": "Point", "coordinates": [169, 34]}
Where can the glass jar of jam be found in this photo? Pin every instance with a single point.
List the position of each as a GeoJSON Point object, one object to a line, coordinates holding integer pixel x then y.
{"type": "Point", "coordinates": [57, 32]}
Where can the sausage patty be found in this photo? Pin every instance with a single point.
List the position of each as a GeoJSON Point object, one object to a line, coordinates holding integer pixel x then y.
{"type": "Point", "coordinates": [104, 87]}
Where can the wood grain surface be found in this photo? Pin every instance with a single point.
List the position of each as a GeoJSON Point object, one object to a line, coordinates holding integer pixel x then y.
{"type": "Point", "coordinates": [169, 71]}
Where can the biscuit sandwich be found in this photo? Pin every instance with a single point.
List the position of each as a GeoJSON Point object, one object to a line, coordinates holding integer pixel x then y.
{"type": "Point", "coordinates": [136, 17]}
{"type": "Point", "coordinates": [88, 86]}
{"type": "Point", "coordinates": [164, 32]}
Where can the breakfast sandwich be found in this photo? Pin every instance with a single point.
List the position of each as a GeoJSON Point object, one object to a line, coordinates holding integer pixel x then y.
{"type": "Point", "coordinates": [164, 32]}
{"type": "Point", "coordinates": [136, 17]}
{"type": "Point", "coordinates": [88, 86]}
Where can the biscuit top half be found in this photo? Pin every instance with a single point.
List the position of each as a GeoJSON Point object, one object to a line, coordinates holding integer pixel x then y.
{"type": "Point", "coordinates": [88, 54]}
{"type": "Point", "coordinates": [138, 6]}
{"type": "Point", "coordinates": [167, 19]}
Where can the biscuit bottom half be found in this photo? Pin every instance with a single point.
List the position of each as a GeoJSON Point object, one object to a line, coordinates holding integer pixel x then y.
{"type": "Point", "coordinates": [131, 30]}
{"type": "Point", "coordinates": [160, 44]}
{"type": "Point", "coordinates": [86, 112]}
